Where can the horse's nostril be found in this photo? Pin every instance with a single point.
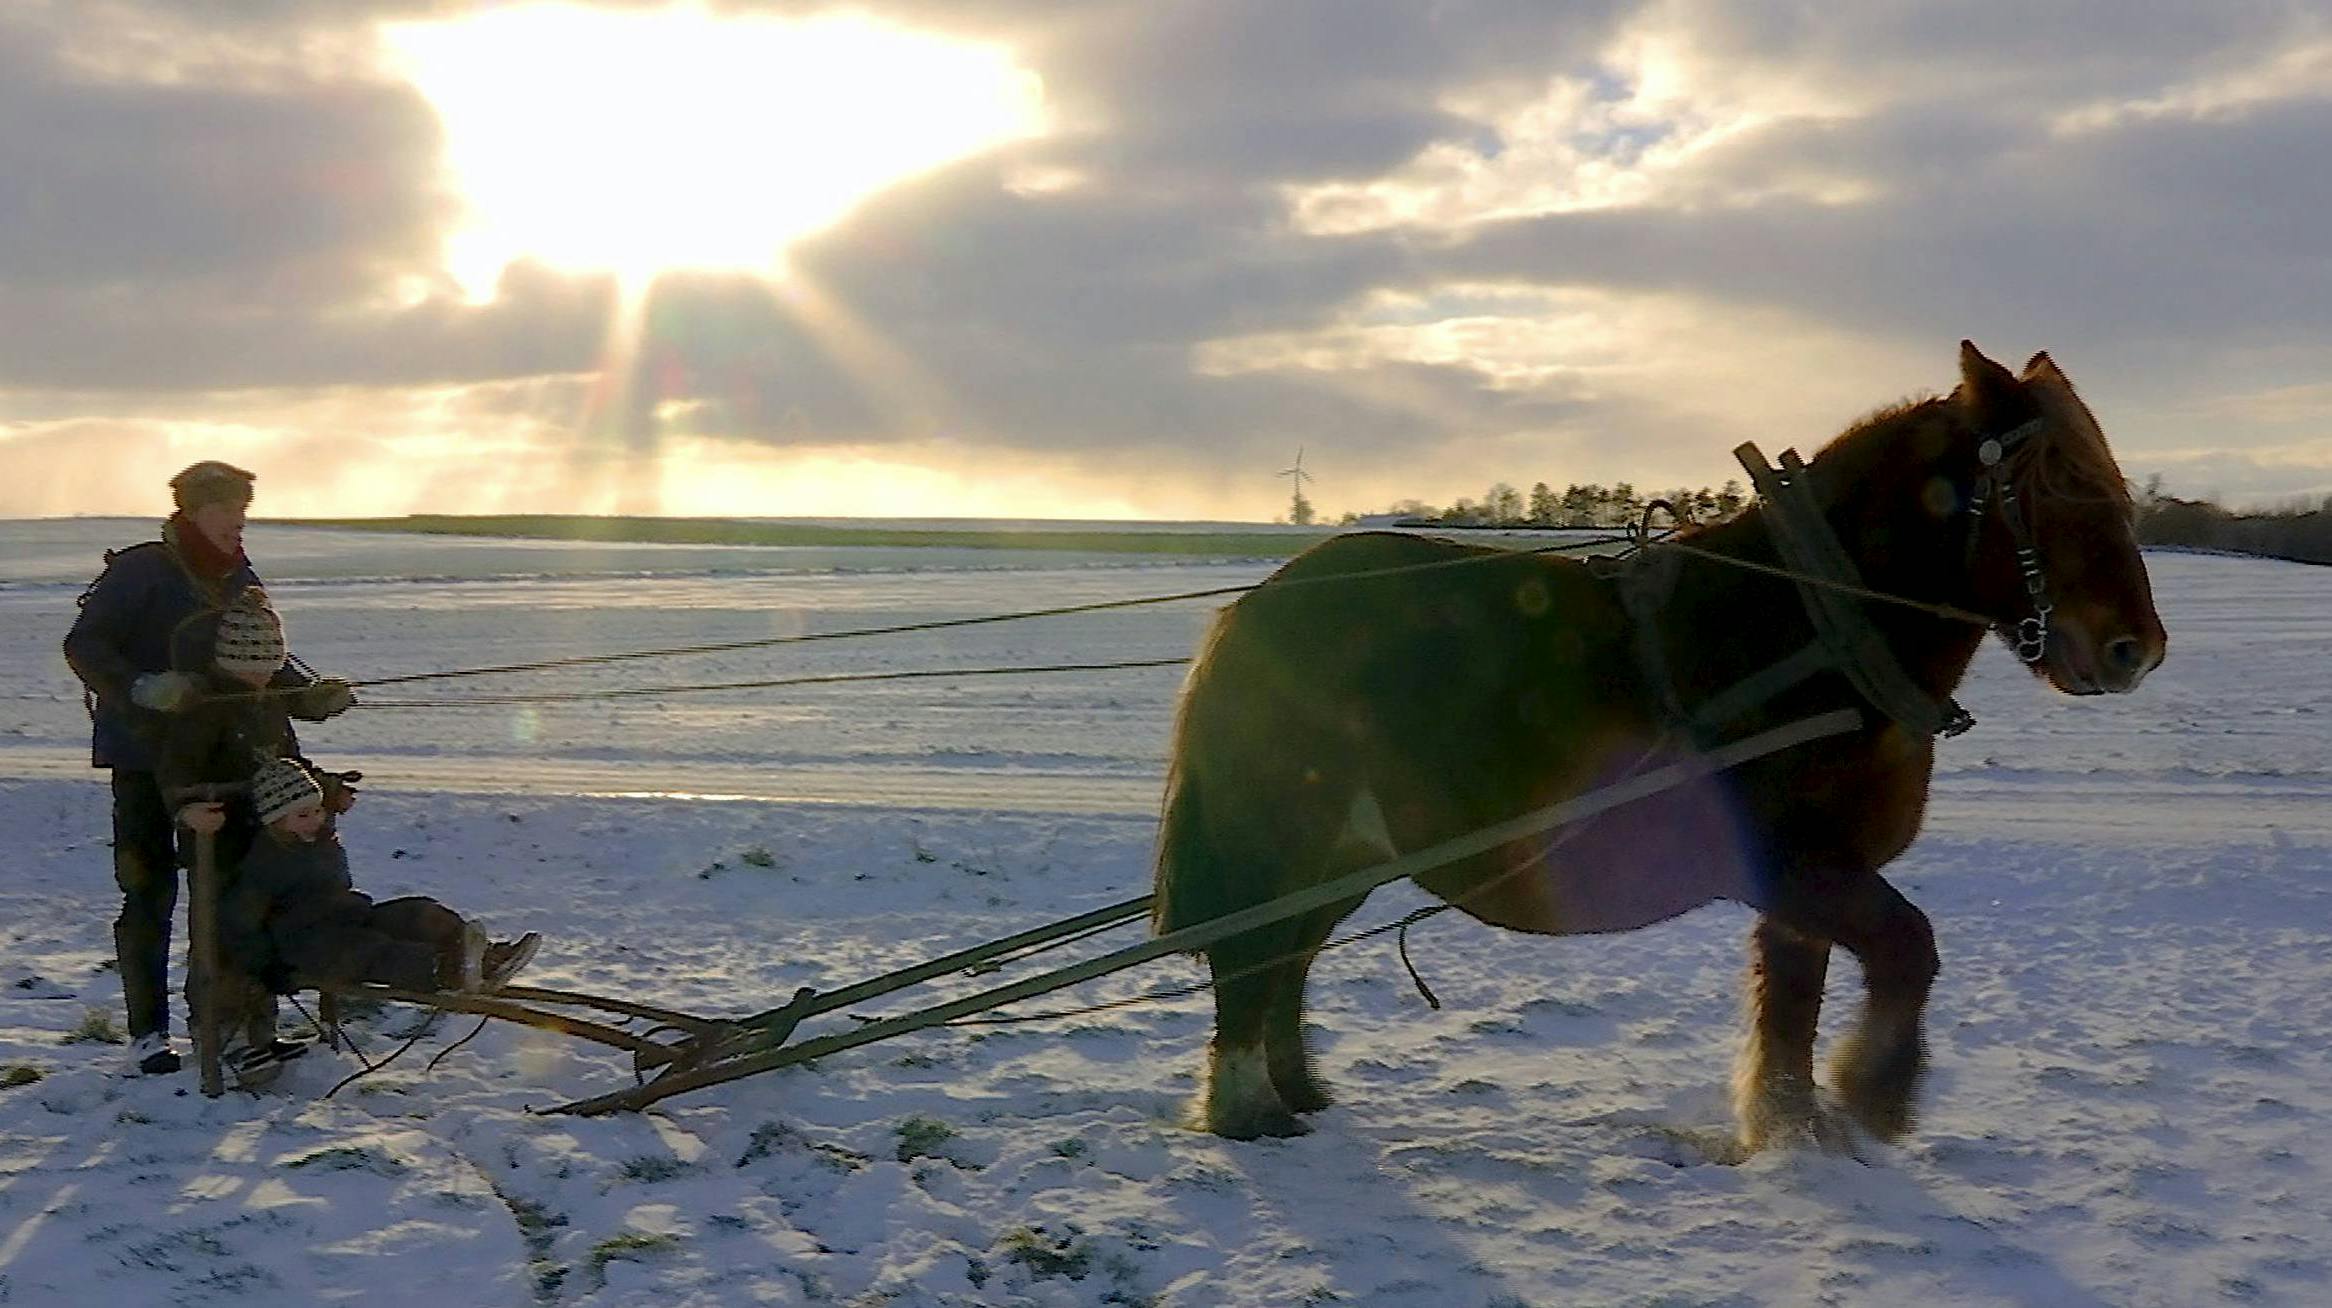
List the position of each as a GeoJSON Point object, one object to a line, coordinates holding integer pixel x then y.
{"type": "Point", "coordinates": [2125, 654]}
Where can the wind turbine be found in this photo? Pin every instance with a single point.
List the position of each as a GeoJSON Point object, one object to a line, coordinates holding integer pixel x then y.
{"type": "Point", "coordinates": [1299, 509]}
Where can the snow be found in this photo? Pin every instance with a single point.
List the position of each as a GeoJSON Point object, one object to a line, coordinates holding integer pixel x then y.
{"type": "Point", "coordinates": [2130, 1068]}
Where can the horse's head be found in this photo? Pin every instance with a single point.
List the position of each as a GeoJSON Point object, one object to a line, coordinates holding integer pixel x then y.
{"type": "Point", "coordinates": [2052, 549]}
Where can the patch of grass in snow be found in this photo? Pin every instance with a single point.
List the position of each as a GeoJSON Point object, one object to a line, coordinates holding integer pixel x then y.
{"type": "Point", "coordinates": [758, 856]}
{"type": "Point", "coordinates": [16, 1074]}
{"type": "Point", "coordinates": [537, 1226]}
{"type": "Point", "coordinates": [1069, 1255]}
{"type": "Point", "coordinates": [652, 1168]}
{"type": "Point", "coordinates": [170, 1252]}
{"type": "Point", "coordinates": [923, 1137]}
{"type": "Point", "coordinates": [360, 1008]}
{"type": "Point", "coordinates": [1204, 1178]}
{"type": "Point", "coordinates": [420, 1022]}
{"type": "Point", "coordinates": [234, 1282]}
{"type": "Point", "coordinates": [629, 1246]}
{"type": "Point", "coordinates": [350, 1158]}
{"type": "Point", "coordinates": [771, 1138]}
{"type": "Point", "coordinates": [97, 1027]}
{"type": "Point", "coordinates": [1071, 1148]}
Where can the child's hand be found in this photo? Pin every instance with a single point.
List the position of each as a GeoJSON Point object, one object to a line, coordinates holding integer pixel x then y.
{"type": "Point", "coordinates": [204, 818]}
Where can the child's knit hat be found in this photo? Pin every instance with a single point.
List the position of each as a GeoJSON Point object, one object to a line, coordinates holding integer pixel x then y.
{"type": "Point", "coordinates": [281, 788]}
{"type": "Point", "coordinates": [249, 641]}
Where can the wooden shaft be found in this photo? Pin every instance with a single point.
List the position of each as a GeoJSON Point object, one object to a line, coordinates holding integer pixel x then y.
{"type": "Point", "coordinates": [651, 1053]}
{"type": "Point", "coordinates": [828, 1001]}
{"type": "Point", "coordinates": [202, 928]}
{"type": "Point", "coordinates": [1579, 807]}
{"type": "Point", "coordinates": [689, 1022]}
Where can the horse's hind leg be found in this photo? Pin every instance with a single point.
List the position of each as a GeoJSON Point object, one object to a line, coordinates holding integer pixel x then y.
{"type": "Point", "coordinates": [1877, 1069]}
{"type": "Point", "coordinates": [1286, 1055]}
{"type": "Point", "coordinates": [1773, 1083]}
{"type": "Point", "coordinates": [1241, 1100]}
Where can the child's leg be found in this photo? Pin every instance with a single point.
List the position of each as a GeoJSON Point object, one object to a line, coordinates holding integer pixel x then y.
{"type": "Point", "coordinates": [418, 918]}
{"type": "Point", "coordinates": [426, 923]}
{"type": "Point", "coordinates": [351, 950]}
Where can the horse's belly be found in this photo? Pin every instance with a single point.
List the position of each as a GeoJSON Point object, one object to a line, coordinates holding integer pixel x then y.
{"type": "Point", "coordinates": [1633, 866]}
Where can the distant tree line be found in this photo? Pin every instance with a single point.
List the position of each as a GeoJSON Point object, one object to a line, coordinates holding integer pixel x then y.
{"type": "Point", "coordinates": [2298, 531]}
{"type": "Point", "coordinates": [2301, 530]}
{"type": "Point", "coordinates": [1576, 505]}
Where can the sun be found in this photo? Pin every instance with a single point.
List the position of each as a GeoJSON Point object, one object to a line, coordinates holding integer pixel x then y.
{"type": "Point", "coordinates": [640, 141]}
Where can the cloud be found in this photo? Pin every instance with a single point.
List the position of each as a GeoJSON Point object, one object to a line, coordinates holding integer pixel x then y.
{"type": "Point", "coordinates": [1438, 245]}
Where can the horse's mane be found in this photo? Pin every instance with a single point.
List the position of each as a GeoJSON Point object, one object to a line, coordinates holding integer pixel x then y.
{"type": "Point", "coordinates": [2069, 460]}
{"type": "Point", "coordinates": [1870, 451]}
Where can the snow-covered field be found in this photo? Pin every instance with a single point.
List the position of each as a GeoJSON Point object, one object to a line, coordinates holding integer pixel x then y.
{"type": "Point", "coordinates": [2134, 899]}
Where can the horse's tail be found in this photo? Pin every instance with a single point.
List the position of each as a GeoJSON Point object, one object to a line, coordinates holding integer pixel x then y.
{"type": "Point", "coordinates": [1186, 881]}
{"type": "Point", "coordinates": [1178, 878]}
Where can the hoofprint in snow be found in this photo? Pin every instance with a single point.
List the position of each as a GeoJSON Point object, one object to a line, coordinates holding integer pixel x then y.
{"type": "Point", "coordinates": [2134, 900]}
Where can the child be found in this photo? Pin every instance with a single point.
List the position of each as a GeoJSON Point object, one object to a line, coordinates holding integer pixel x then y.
{"type": "Point", "coordinates": [292, 911]}
{"type": "Point", "coordinates": [229, 725]}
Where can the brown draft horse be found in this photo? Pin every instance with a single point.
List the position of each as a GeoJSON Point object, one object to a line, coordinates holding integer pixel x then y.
{"type": "Point", "coordinates": [1327, 728]}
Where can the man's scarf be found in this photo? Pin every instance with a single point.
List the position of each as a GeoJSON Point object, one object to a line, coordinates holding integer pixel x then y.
{"type": "Point", "coordinates": [203, 559]}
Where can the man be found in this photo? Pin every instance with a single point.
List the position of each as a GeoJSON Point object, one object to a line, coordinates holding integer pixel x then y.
{"type": "Point", "coordinates": [122, 647]}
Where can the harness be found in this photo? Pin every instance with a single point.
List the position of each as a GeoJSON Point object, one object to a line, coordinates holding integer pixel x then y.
{"type": "Point", "coordinates": [2030, 636]}
{"type": "Point", "coordinates": [1825, 577]}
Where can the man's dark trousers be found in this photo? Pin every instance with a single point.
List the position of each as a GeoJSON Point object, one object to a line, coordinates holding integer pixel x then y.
{"type": "Point", "coordinates": [145, 866]}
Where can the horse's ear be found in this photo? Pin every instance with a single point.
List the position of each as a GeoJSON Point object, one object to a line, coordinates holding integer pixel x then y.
{"type": "Point", "coordinates": [1989, 391]}
{"type": "Point", "coordinates": [2041, 365]}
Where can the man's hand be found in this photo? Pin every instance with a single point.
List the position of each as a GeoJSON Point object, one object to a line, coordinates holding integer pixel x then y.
{"type": "Point", "coordinates": [165, 692]}
{"type": "Point", "coordinates": [204, 818]}
{"type": "Point", "coordinates": [339, 790]}
{"type": "Point", "coordinates": [324, 699]}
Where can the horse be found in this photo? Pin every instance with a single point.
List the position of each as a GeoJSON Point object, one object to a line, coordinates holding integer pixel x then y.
{"type": "Point", "coordinates": [1384, 692]}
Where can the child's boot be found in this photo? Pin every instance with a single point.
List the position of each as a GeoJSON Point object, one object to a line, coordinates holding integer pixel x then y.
{"type": "Point", "coordinates": [504, 958]}
{"type": "Point", "coordinates": [473, 966]}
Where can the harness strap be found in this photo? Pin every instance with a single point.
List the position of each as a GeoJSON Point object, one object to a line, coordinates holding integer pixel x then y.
{"type": "Point", "coordinates": [1851, 644]}
{"type": "Point", "coordinates": [2030, 635]}
{"type": "Point", "coordinates": [1644, 581]}
{"type": "Point", "coordinates": [1749, 692]}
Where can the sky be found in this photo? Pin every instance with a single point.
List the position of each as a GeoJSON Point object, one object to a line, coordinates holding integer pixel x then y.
{"type": "Point", "coordinates": [1128, 258]}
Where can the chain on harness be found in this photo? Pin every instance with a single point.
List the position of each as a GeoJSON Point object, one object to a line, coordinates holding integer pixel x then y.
{"type": "Point", "coordinates": [2030, 635]}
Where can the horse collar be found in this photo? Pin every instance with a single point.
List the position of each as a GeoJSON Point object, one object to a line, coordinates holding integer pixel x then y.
{"type": "Point", "coordinates": [1844, 636]}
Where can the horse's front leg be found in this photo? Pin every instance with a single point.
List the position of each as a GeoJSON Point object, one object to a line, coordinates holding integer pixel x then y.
{"type": "Point", "coordinates": [1773, 1081]}
{"type": "Point", "coordinates": [1877, 1069]}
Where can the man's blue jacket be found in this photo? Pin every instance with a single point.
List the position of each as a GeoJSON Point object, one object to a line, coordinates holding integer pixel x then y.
{"type": "Point", "coordinates": [140, 616]}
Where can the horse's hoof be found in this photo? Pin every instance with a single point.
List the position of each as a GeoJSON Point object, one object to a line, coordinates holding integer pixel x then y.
{"type": "Point", "coordinates": [1798, 1121]}
{"type": "Point", "coordinates": [1276, 1124]}
{"type": "Point", "coordinates": [1307, 1096]}
{"type": "Point", "coordinates": [1824, 1130]}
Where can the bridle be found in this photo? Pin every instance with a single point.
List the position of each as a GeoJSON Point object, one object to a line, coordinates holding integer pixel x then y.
{"type": "Point", "coordinates": [2029, 636]}
{"type": "Point", "coordinates": [1829, 587]}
